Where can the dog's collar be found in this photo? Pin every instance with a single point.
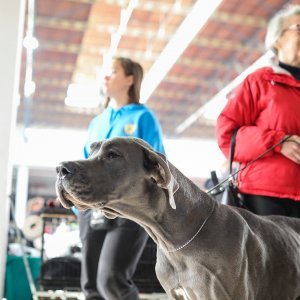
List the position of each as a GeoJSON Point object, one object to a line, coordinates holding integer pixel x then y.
{"type": "Point", "coordinates": [192, 238]}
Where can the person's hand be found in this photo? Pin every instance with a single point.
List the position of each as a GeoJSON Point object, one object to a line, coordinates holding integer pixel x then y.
{"type": "Point", "coordinates": [291, 148]}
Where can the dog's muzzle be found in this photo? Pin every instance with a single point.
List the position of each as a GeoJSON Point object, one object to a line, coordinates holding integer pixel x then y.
{"type": "Point", "coordinates": [72, 186]}
{"type": "Point", "coordinates": [65, 171]}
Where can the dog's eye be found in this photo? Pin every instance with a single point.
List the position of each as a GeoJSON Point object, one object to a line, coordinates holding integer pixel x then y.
{"type": "Point", "coordinates": [112, 154]}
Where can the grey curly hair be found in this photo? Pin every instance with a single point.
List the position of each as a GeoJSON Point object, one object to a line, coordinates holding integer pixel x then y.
{"type": "Point", "coordinates": [275, 25]}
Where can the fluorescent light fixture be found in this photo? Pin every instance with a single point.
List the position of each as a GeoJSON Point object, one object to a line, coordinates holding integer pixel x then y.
{"type": "Point", "coordinates": [124, 19]}
{"type": "Point", "coordinates": [116, 37]}
{"type": "Point", "coordinates": [214, 106]}
{"type": "Point", "coordinates": [30, 42]}
{"type": "Point", "coordinates": [29, 88]}
{"type": "Point", "coordinates": [83, 95]}
{"type": "Point", "coordinates": [190, 26]}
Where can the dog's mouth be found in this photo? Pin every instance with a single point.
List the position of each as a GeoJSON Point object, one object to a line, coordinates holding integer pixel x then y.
{"type": "Point", "coordinates": [64, 198]}
{"type": "Point", "coordinates": [71, 195]}
{"type": "Point", "coordinates": [68, 200]}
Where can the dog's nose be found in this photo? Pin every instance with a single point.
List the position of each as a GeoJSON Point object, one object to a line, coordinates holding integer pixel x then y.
{"type": "Point", "coordinates": [66, 169]}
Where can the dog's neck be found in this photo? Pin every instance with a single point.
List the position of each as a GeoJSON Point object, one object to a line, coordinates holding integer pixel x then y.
{"type": "Point", "coordinates": [163, 223]}
{"type": "Point", "coordinates": [190, 214]}
{"type": "Point", "coordinates": [195, 235]}
{"type": "Point", "coordinates": [193, 209]}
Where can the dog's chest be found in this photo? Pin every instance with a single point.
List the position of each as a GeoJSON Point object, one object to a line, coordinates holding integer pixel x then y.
{"type": "Point", "coordinates": [173, 283]}
{"type": "Point", "coordinates": [182, 293]}
{"type": "Point", "coordinates": [170, 274]}
{"type": "Point", "coordinates": [185, 279]}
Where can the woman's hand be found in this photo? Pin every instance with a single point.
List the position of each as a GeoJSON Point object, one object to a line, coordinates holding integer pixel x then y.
{"type": "Point", "coordinates": [291, 148]}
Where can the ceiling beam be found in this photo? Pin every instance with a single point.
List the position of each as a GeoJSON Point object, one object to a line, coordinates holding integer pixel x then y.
{"type": "Point", "coordinates": [53, 96]}
{"type": "Point", "coordinates": [224, 44]}
{"type": "Point", "coordinates": [58, 107]}
{"type": "Point", "coordinates": [58, 23]}
{"type": "Point", "coordinates": [193, 81]}
{"type": "Point", "coordinates": [211, 43]}
{"type": "Point", "coordinates": [63, 47]}
{"type": "Point", "coordinates": [163, 6]}
{"type": "Point", "coordinates": [240, 19]}
{"type": "Point", "coordinates": [82, 1]}
{"type": "Point", "coordinates": [55, 66]}
{"type": "Point", "coordinates": [185, 33]}
{"type": "Point", "coordinates": [52, 82]}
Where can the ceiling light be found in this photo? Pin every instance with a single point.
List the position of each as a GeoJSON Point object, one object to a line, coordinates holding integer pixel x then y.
{"type": "Point", "coordinates": [191, 25]}
{"type": "Point", "coordinates": [177, 6]}
{"type": "Point", "coordinates": [29, 88]}
{"type": "Point", "coordinates": [30, 42]}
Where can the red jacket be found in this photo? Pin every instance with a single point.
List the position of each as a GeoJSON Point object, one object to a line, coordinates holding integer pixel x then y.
{"type": "Point", "coordinates": [265, 108]}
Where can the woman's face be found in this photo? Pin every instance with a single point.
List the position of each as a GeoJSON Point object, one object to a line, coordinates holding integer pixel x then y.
{"type": "Point", "coordinates": [117, 84]}
{"type": "Point", "coordinates": [288, 44]}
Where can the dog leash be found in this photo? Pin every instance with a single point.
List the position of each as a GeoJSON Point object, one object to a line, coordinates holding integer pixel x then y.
{"type": "Point", "coordinates": [193, 237]}
{"type": "Point", "coordinates": [231, 176]}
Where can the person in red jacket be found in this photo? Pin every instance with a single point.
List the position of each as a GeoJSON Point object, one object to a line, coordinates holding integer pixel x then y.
{"type": "Point", "coordinates": [265, 108]}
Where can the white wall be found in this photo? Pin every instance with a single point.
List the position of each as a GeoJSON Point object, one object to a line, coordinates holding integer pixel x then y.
{"type": "Point", "coordinates": [11, 22]}
{"type": "Point", "coordinates": [195, 158]}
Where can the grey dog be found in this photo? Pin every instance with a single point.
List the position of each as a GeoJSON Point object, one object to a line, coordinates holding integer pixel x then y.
{"type": "Point", "coordinates": [206, 250]}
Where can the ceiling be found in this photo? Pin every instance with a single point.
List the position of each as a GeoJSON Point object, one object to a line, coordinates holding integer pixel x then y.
{"type": "Point", "coordinates": [73, 36]}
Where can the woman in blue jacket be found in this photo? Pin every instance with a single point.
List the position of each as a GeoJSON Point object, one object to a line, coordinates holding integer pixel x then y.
{"type": "Point", "coordinates": [110, 257]}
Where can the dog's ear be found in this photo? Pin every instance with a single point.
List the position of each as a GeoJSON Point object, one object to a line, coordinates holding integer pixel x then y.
{"type": "Point", "coordinates": [95, 147]}
{"type": "Point", "coordinates": [159, 169]}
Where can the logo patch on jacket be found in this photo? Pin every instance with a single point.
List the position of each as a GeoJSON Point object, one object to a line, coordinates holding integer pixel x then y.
{"type": "Point", "coordinates": [130, 129]}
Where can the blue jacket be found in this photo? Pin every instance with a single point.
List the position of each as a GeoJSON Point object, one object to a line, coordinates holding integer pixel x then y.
{"type": "Point", "coordinates": [134, 120]}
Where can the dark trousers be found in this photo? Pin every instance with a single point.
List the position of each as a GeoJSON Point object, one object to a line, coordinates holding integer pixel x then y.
{"type": "Point", "coordinates": [264, 205]}
{"type": "Point", "coordinates": [110, 258]}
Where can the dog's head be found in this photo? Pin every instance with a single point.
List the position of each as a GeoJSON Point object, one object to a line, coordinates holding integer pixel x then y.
{"type": "Point", "coordinates": [117, 170]}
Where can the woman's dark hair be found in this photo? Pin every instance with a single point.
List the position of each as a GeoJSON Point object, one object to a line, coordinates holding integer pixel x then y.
{"type": "Point", "coordinates": [133, 68]}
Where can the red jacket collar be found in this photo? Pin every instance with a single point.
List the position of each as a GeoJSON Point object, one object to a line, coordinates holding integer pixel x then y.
{"type": "Point", "coordinates": [280, 75]}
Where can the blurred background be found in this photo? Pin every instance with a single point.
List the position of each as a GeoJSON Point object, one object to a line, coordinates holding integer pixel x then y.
{"type": "Point", "coordinates": [193, 53]}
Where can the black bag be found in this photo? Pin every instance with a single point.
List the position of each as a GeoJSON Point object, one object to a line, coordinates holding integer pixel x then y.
{"type": "Point", "coordinates": [231, 195]}
{"type": "Point", "coordinates": [99, 222]}
{"type": "Point", "coordinates": [227, 193]}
